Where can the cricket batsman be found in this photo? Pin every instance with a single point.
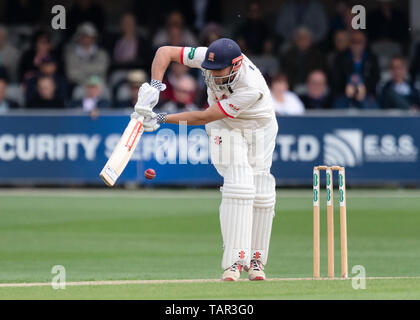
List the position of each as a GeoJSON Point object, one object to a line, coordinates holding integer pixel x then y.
{"type": "Point", "coordinates": [242, 129]}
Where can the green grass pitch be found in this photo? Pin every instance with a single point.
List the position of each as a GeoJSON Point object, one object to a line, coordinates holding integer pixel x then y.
{"type": "Point", "coordinates": [175, 234]}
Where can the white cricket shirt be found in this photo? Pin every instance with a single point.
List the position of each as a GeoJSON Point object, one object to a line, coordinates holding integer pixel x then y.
{"type": "Point", "coordinates": [250, 99]}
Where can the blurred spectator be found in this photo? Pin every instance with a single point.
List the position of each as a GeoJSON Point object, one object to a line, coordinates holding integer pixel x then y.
{"type": "Point", "coordinates": [206, 11]}
{"type": "Point", "coordinates": [5, 104]}
{"type": "Point", "coordinates": [385, 50]}
{"type": "Point", "coordinates": [285, 102]}
{"type": "Point", "coordinates": [398, 93]}
{"type": "Point", "coordinates": [355, 95]}
{"type": "Point", "coordinates": [31, 59]}
{"type": "Point", "coordinates": [210, 33]}
{"type": "Point", "coordinates": [45, 97]}
{"type": "Point", "coordinates": [302, 58]}
{"type": "Point", "coordinates": [267, 62]}
{"type": "Point", "coordinates": [4, 74]}
{"type": "Point", "coordinates": [316, 96]}
{"type": "Point", "coordinates": [342, 18]}
{"type": "Point", "coordinates": [85, 58]}
{"type": "Point", "coordinates": [48, 67]}
{"type": "Point", "coordinates": [175, 33]}
{"type": "Point", "coordinates": [92, 99]}
{"type": "Point", "coordinates": [341, 44]}
{"type": "Point", "coordinates": [302, 13]}
{"type": "Point", "coordinates": [175, 72]}
{"type": "Point", "coordinates": [84, 11]}
{"type": "Point", "coordinates": [415, 67]}
{"type": "Point", "coordinates": [197, 13]}
{"type": "Point", "coordinates": [23, 12]}
{"type": "Point", "coordinates": [387, 23]}
{"type": "Point", "coordinates": [135, 79]}
{"type": "Point", "coordinates": [184, 95]}
{"type": "Point", "coordinates": [145, 12]}
{"type": "Point", "coordinates": [253, 33]}
{"type": "Point", "coordinates": [388, 33]}
{"type": "Point", "coordinates": [130, 50]}
{"type": "Point", "coordinates": [355, 75]}
{"type": "Point", "coordinates": [9, 55]}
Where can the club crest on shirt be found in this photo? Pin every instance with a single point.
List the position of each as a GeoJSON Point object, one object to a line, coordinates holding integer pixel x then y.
{"type": "Point", "coordinates": [218, 140]}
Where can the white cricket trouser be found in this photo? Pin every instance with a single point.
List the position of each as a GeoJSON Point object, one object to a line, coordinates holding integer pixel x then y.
{"type": "Point", "coordinates": [244, 157]}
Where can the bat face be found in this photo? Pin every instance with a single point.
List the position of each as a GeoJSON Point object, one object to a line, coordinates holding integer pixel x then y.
{"type": "Point", "coordinates": [122, 152]}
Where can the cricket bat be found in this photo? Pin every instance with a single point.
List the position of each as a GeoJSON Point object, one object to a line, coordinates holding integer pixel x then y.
{"type": "Point", "coordinates": [122, 152]}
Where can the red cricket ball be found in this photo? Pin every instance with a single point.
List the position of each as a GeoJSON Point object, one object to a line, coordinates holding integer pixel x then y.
{"type": "Point", "coordinates": [150, 174]}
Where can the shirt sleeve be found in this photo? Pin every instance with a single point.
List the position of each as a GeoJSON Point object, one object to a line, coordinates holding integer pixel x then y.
{"type": "Point", "coordinates": [193, 57]}
{"type": "Point", "coordinates": [239, 101]}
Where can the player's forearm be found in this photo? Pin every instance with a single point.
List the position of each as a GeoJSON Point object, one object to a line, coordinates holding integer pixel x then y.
{"type": "Point", "coordinates": [196, 118]}
{"type": "Point", "coordinates": [160, 63]}
{"type": "Point", "coordinates": [193, 118]}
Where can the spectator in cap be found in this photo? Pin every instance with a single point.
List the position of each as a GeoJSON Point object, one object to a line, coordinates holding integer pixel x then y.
{"type": "Point", "coordinates": [47, 67]}
{"type": "Point", "coordinates": [5, 104]}
{"type": "Point", "coordinates": [9, 55]}
{"type": "Point", "coordinates": [45, 97]}
{"type": "Point", "coordinates": [92, 100]}
{"type": "Point", "coordinates": [85, 57]}
{"type": "Point", "coordinates": [135, 79]}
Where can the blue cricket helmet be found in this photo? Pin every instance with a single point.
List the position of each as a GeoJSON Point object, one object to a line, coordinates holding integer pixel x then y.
{"type": "Point", "coordinates": [221, 53]}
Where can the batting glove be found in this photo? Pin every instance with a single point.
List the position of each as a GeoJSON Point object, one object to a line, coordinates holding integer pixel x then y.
{"type": "Point", "coordinates": [148, 97]}
{"type": "Point", "coordinates": [150, 123]}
